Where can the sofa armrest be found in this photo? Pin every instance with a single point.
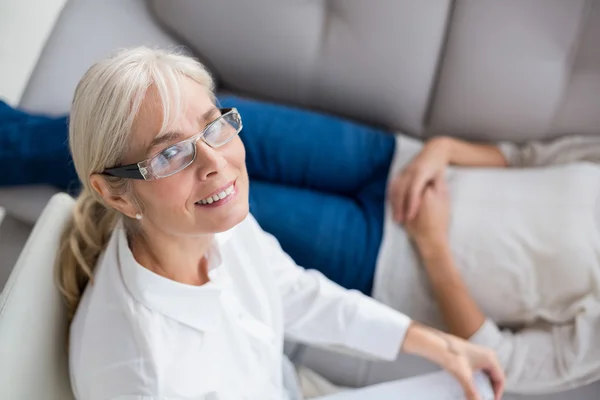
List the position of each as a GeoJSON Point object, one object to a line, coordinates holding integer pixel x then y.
{"type": "Point", "coordinates": [27, 202]}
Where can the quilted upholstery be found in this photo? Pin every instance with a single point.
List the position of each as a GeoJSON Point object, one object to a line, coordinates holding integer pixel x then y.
{"type": "Point", "coordinates": [511, 69]}
{"type": "Point", "coordinates": [376, 63]}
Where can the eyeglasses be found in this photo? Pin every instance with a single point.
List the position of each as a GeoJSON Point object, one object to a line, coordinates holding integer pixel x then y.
{"type": "Point", "coordinates": [181, 154]}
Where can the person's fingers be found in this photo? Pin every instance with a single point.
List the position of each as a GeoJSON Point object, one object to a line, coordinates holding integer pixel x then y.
{"type": "Point", "coordinates": [393, 198]}
{"type": "Point", "coordinates": [440, 186]}
{"type": "Point", "coordinates": [393, 189]}
{"type": "Point", "coordinates": [414, 196]}
{"type": "Point", "coordinates": [498, 388]}
{"type": "Point", "coordinates": [398, 202]}
{"type": "Point", "coordinates": [440, 183]}
{"type": "Point", "coordinates": [468, 385]}
{"type": "Point", "coordinates": [391, 193]}
{"type": "Point", "coordinates": [497, 377]}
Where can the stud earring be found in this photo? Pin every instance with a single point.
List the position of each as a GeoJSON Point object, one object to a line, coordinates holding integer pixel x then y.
{"type": "Point", "coordinates": [138, 216]}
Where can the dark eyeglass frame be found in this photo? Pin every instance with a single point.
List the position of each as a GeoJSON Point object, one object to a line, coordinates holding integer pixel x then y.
{"type": "Point", "coordinates": [136, 170]}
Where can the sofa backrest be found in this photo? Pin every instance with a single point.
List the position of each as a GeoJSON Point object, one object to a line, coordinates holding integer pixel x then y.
{"type": "Point", "coordinates": [510, 69]}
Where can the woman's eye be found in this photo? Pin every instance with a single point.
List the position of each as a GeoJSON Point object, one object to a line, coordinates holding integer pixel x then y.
{"type": "Point", "coordinates": [216, 128]}
{"type": "Point", "coordinates": [170, 152]}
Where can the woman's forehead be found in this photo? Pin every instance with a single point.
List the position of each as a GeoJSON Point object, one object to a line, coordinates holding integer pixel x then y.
{"type": "Point", "coordinates": [185, 113]}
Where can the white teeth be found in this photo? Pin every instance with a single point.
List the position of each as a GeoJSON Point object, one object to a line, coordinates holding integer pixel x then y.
{"type": "Point", "coordinates": [219, 196]}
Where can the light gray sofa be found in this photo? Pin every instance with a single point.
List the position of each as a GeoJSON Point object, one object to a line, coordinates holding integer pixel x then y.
{"type": "Point", "coordinates": [511, 69]}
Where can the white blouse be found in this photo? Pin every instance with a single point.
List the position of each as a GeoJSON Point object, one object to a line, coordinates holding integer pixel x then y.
{"type": "Point", "coordinates": [137, 335]}
{"type": "Point", "coordinates": [527, 244]}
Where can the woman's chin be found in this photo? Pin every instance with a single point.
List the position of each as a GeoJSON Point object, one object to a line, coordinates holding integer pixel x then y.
{"type": "Point", "coordinates": [223, 218]}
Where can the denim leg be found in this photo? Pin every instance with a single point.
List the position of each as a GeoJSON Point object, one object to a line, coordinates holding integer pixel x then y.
{"type": "Point", "coordinates": [330, 233]}
{"type": "Point", "coordinates": [34, 150]}
{"type": "Point", "coordinates": [318, 185]}
{"type": "Point", "coordinates": [306, 149]}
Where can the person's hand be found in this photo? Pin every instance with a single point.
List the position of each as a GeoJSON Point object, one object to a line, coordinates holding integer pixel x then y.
{"type": "Point", "coordinates": [457, 356]}
{"type": "Point", "coordinates": [465, 359]}
{"type": "Point", "coordinates": [428, 167]}
{"type": "Point", "coordinates": [430, 225]}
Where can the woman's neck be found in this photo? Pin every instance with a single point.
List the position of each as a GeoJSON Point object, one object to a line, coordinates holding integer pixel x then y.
{"type": "Point", "coordinates": [179, 258]}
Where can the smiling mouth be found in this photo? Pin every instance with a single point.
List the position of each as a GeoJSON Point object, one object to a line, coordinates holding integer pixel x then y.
{"type": "Point", "coordinates": [218, 197]}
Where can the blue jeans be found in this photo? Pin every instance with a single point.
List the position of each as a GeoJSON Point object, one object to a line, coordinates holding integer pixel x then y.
{"type": "Point", "coordinates": [34, 149]}
{"type": "Point", "coordinates": [318, 184]}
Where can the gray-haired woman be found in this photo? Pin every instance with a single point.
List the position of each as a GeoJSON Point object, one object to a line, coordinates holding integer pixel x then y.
{"type": "Point", "coordinates": [188, 297]}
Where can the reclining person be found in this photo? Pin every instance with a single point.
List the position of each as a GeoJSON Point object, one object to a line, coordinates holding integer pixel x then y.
{"type": "Point", "coordinates": [520, 248]}
{"type": "Point", "coordinates": [521, 251]}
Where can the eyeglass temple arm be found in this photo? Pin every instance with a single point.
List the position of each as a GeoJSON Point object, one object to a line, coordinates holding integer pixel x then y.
{"type": "Point", "coordinates": [131, 171]}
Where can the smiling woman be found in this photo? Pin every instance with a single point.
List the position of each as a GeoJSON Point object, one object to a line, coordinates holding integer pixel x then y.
{"type": "Point", "coordinates": [190, 297]}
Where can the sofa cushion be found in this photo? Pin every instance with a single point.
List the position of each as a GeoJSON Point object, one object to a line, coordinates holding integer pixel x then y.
{"type": "Point", "coordinates": [511, 69]}
{"type": "Point", "coordinates": [85, 32]}
{"type": "Point", "coordinates": [517, 69]}
{"type": "Point", "coordinates": [348, 57]}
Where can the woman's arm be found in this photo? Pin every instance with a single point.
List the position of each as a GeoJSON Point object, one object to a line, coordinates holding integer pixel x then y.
{"type": "Point", "coordinates": [461, 314]}
{"type": "Point", "coordinates": [462, 153]}
{"type": "Point", "coordinates": [534, 153]}
{"type": "Point", "coordinates": [429, 231]}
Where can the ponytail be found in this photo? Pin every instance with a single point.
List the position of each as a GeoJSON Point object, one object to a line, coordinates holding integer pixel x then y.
{"type": "Point", "coordinates": [81, 243]}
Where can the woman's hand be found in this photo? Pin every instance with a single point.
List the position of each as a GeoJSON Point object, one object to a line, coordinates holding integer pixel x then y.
{"type": "Point", "coordinates": [430, 226]}
{"type": "Point", "coordinates": [457, 356]}
{"type": "Point", "coordinates": [427, 168]}
{"type": "Point", "coordinates": [466, 358]}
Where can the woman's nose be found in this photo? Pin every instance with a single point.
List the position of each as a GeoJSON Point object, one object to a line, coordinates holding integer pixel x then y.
{"type": "Point", "coordinates": [210, 161]}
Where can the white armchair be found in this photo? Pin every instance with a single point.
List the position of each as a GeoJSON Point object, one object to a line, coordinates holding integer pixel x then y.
{"type": "Point", "coordinates": [33, 322]}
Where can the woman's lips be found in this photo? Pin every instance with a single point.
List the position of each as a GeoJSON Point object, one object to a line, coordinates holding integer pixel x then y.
{"type": "Point", "coordinates": [219, 199]}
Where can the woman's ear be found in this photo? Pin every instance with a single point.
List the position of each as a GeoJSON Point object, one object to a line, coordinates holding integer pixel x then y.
{"type": "Point", "coordinates": [117, 201]}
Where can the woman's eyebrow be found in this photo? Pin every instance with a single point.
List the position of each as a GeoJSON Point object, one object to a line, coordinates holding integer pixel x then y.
{"type": "Point", "coordinates": [164, 138]}
{"type": "Point", "coordinates": [173, 136]}
{"type": "Point", "coordinates": [208, 116]}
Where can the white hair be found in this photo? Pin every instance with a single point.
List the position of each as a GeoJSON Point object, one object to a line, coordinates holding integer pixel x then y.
{"type": "Point", "coordinates": [106, 102]}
